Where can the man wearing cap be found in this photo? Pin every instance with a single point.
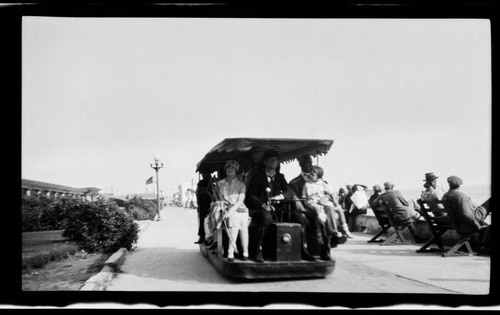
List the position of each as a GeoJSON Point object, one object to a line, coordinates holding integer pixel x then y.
{"type": "Point", "coordinates": [377, 191]}
{"type": "Point", "coordinates": [257, 199]}
{"type": "Point", "coordinates": [466, 217]}
{"type": "Point", "coordinates": [402, 208]}
{"type": "Point", "coordinates": [342, 195]}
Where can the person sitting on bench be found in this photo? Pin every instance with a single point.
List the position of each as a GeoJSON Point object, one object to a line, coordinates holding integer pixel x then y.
{"type": "Point", "coordinates": [466, 217]}
{"type": "Point", "coordinates": [232, 191]}
{"type": "Point", "coordinates": [403, 209]}
{"type": "Point", "coordinates": [258, 199]}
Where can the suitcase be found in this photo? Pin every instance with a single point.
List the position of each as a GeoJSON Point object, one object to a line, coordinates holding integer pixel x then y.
{"type": "Point", "coordinates": [282, 242]}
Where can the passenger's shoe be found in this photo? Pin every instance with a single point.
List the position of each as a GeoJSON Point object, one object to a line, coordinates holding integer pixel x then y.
{"type": "Point", "coordinates": [326, 256]}
{"type": "Point", "coordinates": [200, 240]}
{"type": "Point", "coordinates": [258, 257]}
{"type": "Point", "coordinates": [334, 242]}
{"type": "Point", "coordinates": [348, 234]}
{"type": "Point", "coordinates": [230, 258]}
{"type": "Point", "coordinates": [345, 230]}
{"type": "Point", "coordinates": [306, 256]}
{"type": "Point", "coordinates": [342, 239]}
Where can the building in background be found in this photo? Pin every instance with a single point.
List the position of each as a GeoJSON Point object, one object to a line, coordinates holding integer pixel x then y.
{"type": "Point", "coordinates": [187, 194]}
{"type": "Point", "coordinates": [37, 188]}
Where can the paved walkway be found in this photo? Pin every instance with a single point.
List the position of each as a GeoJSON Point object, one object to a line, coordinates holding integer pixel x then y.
{"type": "Point", "coordinates": [166, 259]}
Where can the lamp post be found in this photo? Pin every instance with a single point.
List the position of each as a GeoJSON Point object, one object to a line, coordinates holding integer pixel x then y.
{"type": "Point", "coordinates": [157, 167]}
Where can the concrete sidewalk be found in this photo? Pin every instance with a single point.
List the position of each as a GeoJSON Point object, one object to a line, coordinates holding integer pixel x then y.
{"type": "Point", "coordinates": [166, 259]}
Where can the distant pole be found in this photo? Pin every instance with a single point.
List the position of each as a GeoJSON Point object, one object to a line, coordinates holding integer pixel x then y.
{"type": "Point", "coordinates": [157, 167]}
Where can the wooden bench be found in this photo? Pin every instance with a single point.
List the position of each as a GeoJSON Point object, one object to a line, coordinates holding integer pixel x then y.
{"type": "Point", "coordinates": [439, 222]}
{"type": "Point", "coordinates": [398, 237]}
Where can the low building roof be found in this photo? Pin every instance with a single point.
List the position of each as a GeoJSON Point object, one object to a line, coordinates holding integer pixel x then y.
{"type": "Point", "coordinates": [37, 185]}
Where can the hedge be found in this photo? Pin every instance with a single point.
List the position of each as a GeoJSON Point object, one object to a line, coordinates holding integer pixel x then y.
{"type": "Point", "coordinates": [97, 226]}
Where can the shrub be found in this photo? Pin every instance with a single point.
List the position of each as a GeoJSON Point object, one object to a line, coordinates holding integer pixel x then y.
{"type": "Point", "coordinates": [40, 213]}
{"type": "Point", "coordinates": [33, 212]}
{"type": "Point", "coordinates": [142, 209]}
{"type": "Point", "coordinates": [100, 226]}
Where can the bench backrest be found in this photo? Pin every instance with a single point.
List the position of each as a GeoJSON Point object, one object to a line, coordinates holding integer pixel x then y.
{"type": "Point", "coordinates": [436, 215]}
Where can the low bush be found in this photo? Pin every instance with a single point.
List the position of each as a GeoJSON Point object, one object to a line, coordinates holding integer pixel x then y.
{"type": "Point", "coordinates": [142, 209]}
{"type": "Point", "coordinates": [100, 226]}
{"type": "Point", "coordinates": [97, 226]}
{"type": "Point", "coordinates": [33, 209]}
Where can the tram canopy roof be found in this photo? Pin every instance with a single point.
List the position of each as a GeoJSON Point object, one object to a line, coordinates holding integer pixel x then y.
{"type": "Point", "coordinates": [288, 150]}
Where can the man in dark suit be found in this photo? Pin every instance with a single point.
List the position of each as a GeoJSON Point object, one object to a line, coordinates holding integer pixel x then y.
{"type": "Point", "coordinates": [258, 198]}
{"type": "Point", "coordinates": [203, 197]}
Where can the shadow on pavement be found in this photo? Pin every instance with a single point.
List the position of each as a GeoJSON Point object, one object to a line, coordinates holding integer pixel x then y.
{"type": "Point", "coordinates": [173, 264]}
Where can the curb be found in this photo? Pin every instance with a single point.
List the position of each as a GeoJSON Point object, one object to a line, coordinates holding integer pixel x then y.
{"type": "Point", "coordinates": [112, 265]}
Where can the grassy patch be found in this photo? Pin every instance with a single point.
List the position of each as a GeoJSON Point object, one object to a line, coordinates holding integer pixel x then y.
{"type": "Point", "coordinates": [37, 256]}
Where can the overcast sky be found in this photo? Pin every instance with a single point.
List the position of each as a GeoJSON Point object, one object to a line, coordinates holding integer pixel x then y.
{"type": "Point", "coordinates": [400, 98]}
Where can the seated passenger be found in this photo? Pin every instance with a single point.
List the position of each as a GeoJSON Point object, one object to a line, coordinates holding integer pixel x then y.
{"type": "Point", "coordinates": [232, 193]}
{"type": "Point", "coordinates": [319, 197]}
{"type": "Point", "coordinates": [324, 234]}
{"type": "Point", "coordinates": [258, 200]}
{"type": "Point", "coordinates": [403, 210]}
{"type": "Point", "coordinates": [466, 217]}
{"type": "Point", "coordinates": [358, 204]}
{"type": "Point", "coordinates": [247, 167]}
{"type": "Point", "coordinates": [431, 195]}
{"type": "Point", "coordinates": [377, 191]}
{"type": "Point", "coordinates": [342, 195]}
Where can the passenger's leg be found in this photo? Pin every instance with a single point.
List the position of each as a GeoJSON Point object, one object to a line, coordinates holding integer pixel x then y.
{"type": "Point", "coordinates": [262, 220]}
{"type": "Point", "coordinates": [325, 247]}
{"type": "Point", "coordinates": [343, 223]}
{"type": "Point", "coordinates": [244, 234]}
{"type": "Point", "coordinates": [481, 212]}
{"type": "Point", "coordinates": [232, 231]}
{"type": "Point", "coordinates": [202, 213]}
{"type": "Point", "coordinates": [300, 217]}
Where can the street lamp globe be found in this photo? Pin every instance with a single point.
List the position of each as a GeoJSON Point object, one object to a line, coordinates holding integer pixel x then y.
{"type": "Point", "coordinates": [157, 158]}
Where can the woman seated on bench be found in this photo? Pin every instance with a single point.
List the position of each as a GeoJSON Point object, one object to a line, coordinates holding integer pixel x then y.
{"type": "Point", "coordinates": [230, 195]}
{"type": "Point", "coordinates": [432, 196]}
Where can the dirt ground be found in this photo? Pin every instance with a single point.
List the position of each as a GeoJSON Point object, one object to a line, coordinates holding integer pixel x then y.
{"type": "Point", "coordinates": [69, 274]}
